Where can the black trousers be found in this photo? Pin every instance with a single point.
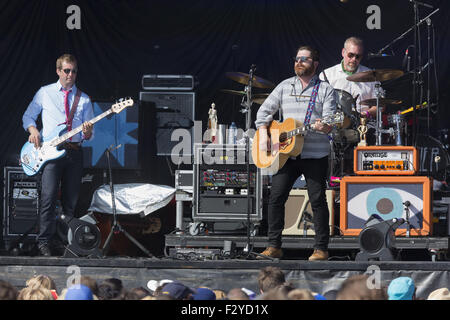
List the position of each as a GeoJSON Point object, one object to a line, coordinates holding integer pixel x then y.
{"type": "Point", "coordinates": [315, 173]}
{"type": "Point", "coordinates": [65, 172]}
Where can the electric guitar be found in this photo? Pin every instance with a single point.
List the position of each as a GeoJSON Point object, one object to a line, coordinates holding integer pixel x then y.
{"type": "Point", "coordinates": [286, 140]}
{"type": "Point", "coordinates": [32, 160]}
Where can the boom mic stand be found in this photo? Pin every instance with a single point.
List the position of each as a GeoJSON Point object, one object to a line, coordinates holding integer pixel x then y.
{"type": "Point", "coordinates": [116, 228]}
{"type": "Point", "coordinates": [417, 56]}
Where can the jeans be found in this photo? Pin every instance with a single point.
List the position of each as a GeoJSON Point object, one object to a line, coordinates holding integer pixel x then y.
{"type": "Point", "coordinates": [315, 173]}
{"type": "Point", "coordinates": [65, 172]}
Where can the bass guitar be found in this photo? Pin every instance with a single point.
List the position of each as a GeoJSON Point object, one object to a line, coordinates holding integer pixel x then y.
{"type": "Point", "coordinates": [286, 140]}
{"type": "Point", "coordinates": [32, 159]}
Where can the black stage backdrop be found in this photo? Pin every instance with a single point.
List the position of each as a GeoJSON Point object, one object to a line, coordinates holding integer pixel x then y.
{"type": "Point", "coordinates": [116, 42]}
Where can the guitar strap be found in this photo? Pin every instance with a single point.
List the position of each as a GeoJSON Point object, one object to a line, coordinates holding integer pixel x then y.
{"type": "Point", "coordinates": [69, 117]}
{"type": "Point", "coordinates": [312, 102]}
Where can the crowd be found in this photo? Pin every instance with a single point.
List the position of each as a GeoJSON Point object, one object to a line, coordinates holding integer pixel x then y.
{"type": "Point", "coordinates": [272, 285]}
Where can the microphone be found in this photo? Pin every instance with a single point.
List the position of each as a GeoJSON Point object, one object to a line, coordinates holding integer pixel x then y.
{"type": "Point", "coordinates": [371, 55]}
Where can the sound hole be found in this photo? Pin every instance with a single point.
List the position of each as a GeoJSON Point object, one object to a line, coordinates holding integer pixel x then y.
{"type": "Point", "coordinates": [371, 239]}
{"type": "Point", "coordinates": [283, 137]}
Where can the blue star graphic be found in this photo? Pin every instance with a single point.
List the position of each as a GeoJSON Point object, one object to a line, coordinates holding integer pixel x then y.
{"type": "Point", "coordinates": [111, 130]}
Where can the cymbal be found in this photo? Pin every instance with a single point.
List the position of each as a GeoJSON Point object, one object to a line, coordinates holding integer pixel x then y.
{"type": "Point", "coordinates": [381, 102]}
{"type": "Point", "coordinates": [243, 79]}
{"type": "Point", "coordinates": [257, 98]}
{"type": "Point", "coordinates": [375, 75]}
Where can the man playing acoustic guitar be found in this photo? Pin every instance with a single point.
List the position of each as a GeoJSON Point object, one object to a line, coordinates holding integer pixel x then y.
{"type": "Point", "coordinates": [307, 99]}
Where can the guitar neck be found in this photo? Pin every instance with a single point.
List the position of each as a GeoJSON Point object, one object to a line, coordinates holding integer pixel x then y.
{"type": "Point", "coordinates": [55, 142]}
{"type": "Point", "coordinates": [297, 131]}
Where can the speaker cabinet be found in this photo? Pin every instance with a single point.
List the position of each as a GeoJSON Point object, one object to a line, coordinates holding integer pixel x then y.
{"type": "Point", "coordinates": [20, 204]}
{"type": "Point", "coordinates": [298, 213]}
{"type": "Point", "coordinates": [169, 111]}
{"type": "Point", "coordinates": [386, 196]}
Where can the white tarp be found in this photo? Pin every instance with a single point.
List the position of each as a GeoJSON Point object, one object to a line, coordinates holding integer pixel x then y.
{"type": "Point", "coordinates": [132, 198]}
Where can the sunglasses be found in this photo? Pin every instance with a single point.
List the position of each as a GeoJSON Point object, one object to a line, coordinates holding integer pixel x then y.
{"type": "Point", "coordinates": [67, 71]}
{"type": "Point", "coordinates": [354, 55]}
{"type": "Point", "coordinates": [302, 59]}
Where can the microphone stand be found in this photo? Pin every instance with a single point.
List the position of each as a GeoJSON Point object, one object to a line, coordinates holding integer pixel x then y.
{"type": "Point", "coordinates": [416, 74]}
{"type": "Point", "coordinates": [248, 122]}
{"type": "Point", "coordinates": [116, 228]}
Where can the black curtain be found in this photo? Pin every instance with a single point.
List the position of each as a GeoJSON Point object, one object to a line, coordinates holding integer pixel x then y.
{"type": "Point", "coordinates": [119, 41]}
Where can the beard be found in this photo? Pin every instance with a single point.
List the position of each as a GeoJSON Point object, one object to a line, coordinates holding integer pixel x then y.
{"type": "Point", "coordinates": [304, 70]}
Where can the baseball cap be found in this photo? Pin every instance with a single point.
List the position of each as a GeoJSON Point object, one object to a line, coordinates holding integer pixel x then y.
{"type": "Point", "coordinates": [204, 294]}
{"type": "Point", "coordinates": [401, 288]}
{"type": "Point", "coordinates": [78, 292]}
{"type": "Point", "coordinates": [176, 290]}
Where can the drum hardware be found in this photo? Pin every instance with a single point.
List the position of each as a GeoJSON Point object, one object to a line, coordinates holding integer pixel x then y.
{"type": "Point", "coordinates": [417, 81]}
{"type": "Point", "coordinates": [382, 102]}
{"type": "Point", "coordinates": [377, 76]}
{"type": "Point", "coordinates": [258, 98]}
{"type": "Point", "coordinates": [244, 78]}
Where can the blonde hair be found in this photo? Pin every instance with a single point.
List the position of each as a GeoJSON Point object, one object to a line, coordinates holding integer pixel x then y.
{"type": "Point", "coordinates": [29, 293]}
{"type": "Point", "coordinates": [68, 58]}
{"type": "Point", "coordinates": [41, 281]}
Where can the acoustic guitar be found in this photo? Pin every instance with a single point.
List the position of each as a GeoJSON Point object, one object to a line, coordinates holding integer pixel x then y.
{"type": "Point", "coordinates": [286, 140]}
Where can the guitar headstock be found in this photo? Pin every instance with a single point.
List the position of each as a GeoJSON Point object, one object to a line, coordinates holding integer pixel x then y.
{"type": "Point", "coordinates": [122, 104]}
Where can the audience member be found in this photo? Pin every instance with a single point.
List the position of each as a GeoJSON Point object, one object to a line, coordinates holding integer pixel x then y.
{"type": "Point", "coordinates": [269, 278]}
{"type": "Point", "coordinates": [204, 294]}
{"type": "Point", "coordinates": [79, 292]}
{"type": "Point", "coordinates": [300, 294]}
{"type": "Point", "coordinates": [91, 284]}
{"type": "Point", "coordinates": [439, 294]}
{"type": "Point", "coordinates": [237, 294]}
{"type": "Point", "coordinates": [177, 291]}
{"type": "Point", "coordinates": [356, 288]}
{"type": "Point", "coordinates": [220, 294]}
{"type": "Point", "coordinates": [43, 281]}
{"type": "Point", "coordinates": [138, 293]}
{"type": "Point", "coordinates": [402, 288]}
{"type": "Point", "coordinates": [38, 293]}
{"type": "Point", "coordinates": [7, 291]}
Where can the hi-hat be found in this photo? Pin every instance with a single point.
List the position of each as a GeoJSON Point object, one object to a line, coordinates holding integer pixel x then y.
{"type": "Point", "coordinates": [381, 102]}
{"type": "Point", "coordinates": [375, 75]}
{"type": "Point", "coordinates": [243, 78]}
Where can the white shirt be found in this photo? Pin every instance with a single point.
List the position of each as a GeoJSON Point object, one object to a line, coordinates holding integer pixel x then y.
{"type": "Point", "coordinates": [338, 80]}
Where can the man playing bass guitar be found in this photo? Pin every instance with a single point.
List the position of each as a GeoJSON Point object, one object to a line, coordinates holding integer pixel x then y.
{"type": "Point", "coordinates": [60, 103]}
{"type": "Point", "coordinates": [307, 99]}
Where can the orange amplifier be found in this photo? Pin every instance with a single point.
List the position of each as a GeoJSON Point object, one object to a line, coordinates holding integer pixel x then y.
{"type": "Point", "coordinates": [385, 160]}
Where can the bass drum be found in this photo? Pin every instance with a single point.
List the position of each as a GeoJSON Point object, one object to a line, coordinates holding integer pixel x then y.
{"type": "Point", "coordinates": [433, 158]}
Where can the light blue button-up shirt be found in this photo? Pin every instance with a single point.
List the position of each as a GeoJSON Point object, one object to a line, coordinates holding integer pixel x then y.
{"type": "Point", "coordinates": [50, 101]}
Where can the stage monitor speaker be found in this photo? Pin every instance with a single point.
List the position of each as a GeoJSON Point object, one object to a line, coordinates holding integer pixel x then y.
{"type": "Point", "coordinates": [298, 218]}
{"type": "Point", "coordinates": [20, 205]}
{"type": "Point", "coordinates": [386, 197]}
{"type": "Point", "coordinates": [172, 110]}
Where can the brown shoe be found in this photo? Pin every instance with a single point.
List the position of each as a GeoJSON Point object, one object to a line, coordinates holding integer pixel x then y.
{"type": "Point", "coordinates": [271, 252]}
{"type": "Point", "coordinates": [318, 255]}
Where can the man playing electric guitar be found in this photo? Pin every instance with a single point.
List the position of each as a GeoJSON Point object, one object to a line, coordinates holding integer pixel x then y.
{"type": "Point", "coordinates": [307, 99]}
{"type": "Point", "coordinates": [60, 103]}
